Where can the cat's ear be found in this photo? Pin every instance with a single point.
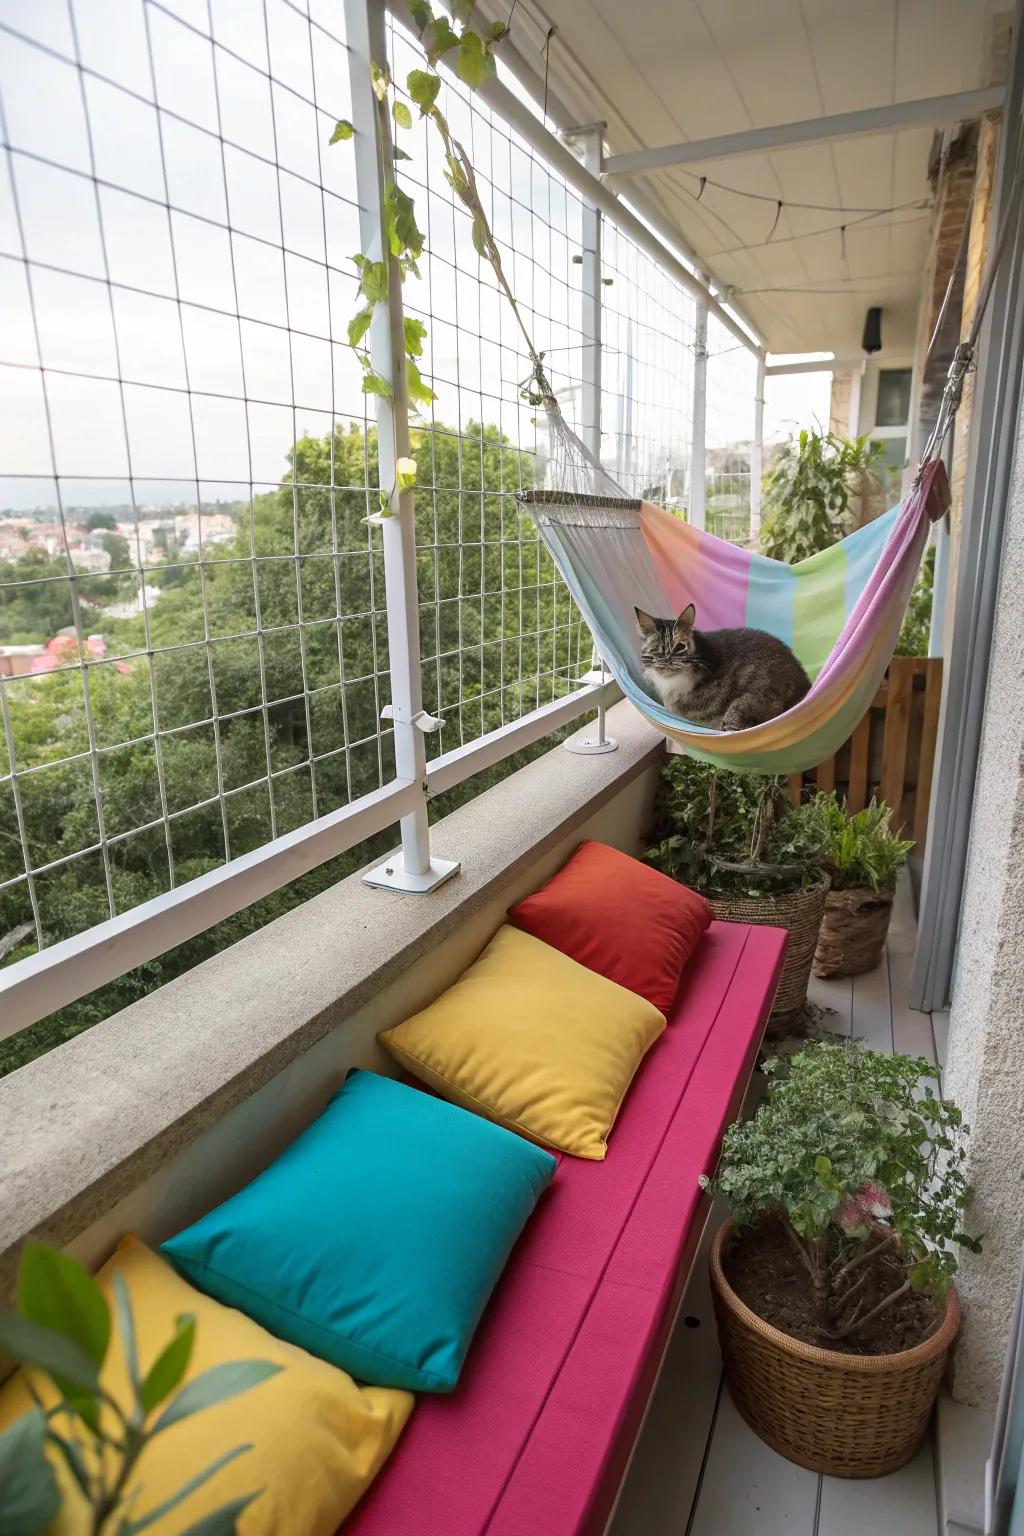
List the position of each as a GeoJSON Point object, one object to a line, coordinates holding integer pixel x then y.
{"type": "Point", "coordinates": [684, 623]}
{"type": "Point", "coordinates": [645, 623]}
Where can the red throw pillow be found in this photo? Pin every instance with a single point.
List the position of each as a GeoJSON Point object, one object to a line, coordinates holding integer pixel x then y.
{"type": "Point", "coordinates": [618, 917]}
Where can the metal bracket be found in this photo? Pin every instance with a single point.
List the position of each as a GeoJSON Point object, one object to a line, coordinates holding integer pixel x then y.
{"type": "Point", "coordinates": [424, 722]}
{"type": "Point", "coordinates": [392, 875]}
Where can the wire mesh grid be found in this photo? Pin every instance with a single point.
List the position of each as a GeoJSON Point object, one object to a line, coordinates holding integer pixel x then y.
{"type": "Point", "coordinates": [191, 607]}
{"type": "Point", "coordinates": [729, 434]}
{"type": "Point", "coordinates": [648, 326]}
{"type": "Point", "coordinates": [499, 633]}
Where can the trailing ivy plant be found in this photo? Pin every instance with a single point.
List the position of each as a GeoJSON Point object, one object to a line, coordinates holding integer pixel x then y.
{"type": "Point", "coordinates": [63, 1330]}
{"type": "Point", "coordinates": [862, 1163]}
{"type": "Point", "coordinates": [807, 493]}
{"type": "Point", "coordinates": [471, 55]}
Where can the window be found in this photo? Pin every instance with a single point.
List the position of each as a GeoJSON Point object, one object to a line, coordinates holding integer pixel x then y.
{"type": "Point", "coordinates": [893, 406]}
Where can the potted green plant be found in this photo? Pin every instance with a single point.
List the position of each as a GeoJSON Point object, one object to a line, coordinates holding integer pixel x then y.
{"type": "Point", "coordinates": [736, 839]}
{"type": "Point", "coordinates": [864, 857]}
{"type": "Point", "coordinates": [833, 1278]}
{"type": "Point", "coordinates": [820, 488]}
{"type": "Point", "coordinates": [62, 1332]}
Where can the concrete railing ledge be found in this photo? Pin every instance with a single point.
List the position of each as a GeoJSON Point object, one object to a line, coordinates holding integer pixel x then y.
{"type": "Point", "coordinates": [85, 1125]}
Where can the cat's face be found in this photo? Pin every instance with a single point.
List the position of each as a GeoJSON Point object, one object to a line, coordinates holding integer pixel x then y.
{"type": "Point", "coordinates": [667, 644]}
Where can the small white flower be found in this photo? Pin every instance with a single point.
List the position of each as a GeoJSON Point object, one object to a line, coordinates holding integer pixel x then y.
{"type": "Point", "coordinates": [405, 473]}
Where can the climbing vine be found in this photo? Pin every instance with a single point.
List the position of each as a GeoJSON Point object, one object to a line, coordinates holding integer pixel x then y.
{"type": "Point", "coordinates": [471, 55]}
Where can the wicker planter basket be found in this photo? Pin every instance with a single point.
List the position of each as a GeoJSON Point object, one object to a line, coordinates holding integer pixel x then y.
{"type": "Point", "coordinates": [799, 912]}
{"type": "Point", "coordinates": [853, 931]}
{"type": "Point", "coordinates": [844, 1415]}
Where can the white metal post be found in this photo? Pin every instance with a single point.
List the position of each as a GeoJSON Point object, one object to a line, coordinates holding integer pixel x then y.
{"type": "Point", "coordinates": [590, 142]}
{"type": "Point", "coordinates": [757, 451]}
{"type": "Point", "coordinates": [698, 469]}
{"type": "Point", "coordinates": [411, 868]}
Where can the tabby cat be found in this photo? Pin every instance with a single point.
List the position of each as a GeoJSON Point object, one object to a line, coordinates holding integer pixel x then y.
{"type": "Point", "coordinates": [729, 678]}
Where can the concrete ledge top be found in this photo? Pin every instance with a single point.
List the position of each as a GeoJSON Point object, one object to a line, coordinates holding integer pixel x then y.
{"type": "Point", "coordinates": [85, 1125]}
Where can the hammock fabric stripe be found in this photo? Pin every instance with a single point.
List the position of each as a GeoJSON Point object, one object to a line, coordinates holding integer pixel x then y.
{"type": "Point", "coordinates": [840, 610]}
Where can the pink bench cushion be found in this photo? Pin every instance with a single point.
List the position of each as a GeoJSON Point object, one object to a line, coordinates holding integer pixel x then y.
{"type": "Point", "coordinates": [539, 1428]}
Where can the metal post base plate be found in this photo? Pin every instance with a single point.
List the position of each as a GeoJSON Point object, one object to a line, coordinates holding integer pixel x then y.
{"type": "Point", "coordinates": [393, 876]}
{"type": "Point", "coordinates": [590, 746]}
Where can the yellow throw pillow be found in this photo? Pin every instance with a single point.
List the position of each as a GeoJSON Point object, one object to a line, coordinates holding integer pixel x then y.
{"type": "Point", "coordinates": [318, 1440]}
{"type": "Point", "coordinates": [533, 1040]}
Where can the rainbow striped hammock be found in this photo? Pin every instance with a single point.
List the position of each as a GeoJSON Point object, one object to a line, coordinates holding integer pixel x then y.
{"type": "Point", "coordinates": [840, 610]}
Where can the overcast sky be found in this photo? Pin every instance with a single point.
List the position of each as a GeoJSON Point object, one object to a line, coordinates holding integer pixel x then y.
{"type": "Point", "coordinates": [168, 325]}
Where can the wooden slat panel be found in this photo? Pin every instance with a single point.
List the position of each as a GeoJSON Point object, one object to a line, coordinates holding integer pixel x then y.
{"type": "Point", "coordinates": [860, 746]}
{"type": "Point", "coordinates": [897, 724]}
{"type": "Point", "coordinates": [929, 732]}
{"type": "Point", "coordinates": [826, 772]}
{"type": "Point", "coordinates": [794, 785]}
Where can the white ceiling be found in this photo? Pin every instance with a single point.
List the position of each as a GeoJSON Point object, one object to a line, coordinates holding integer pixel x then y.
{"type": "Point", "coordinates": [660, 71]}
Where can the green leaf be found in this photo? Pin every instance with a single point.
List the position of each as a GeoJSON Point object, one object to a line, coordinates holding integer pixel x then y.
{"type": "Point", "coordinates": [421, 14]}
{"type": "Point", "coordinates": [48, 1351]}
{"type": "Point", "coordinates": [126, 1327]}
{"type": "Point", "coordinates": [223, 1521]}
{"type": "Point", "coordinates": [475, 62]}
{"type": "Point", "coordinates": [399, 154]}
{"type": "Point", "coordinates": [343, 130]}
{"type": "Point", "coordinates": [216, 1385]}
{"type": "Point", "coordinates": [373, 281]}
{"type": "Point", "coordinates": [438, 39]}
{"type": "Point", "coordinates": [920, 1277]}
{"type": "Point", "coordinates": [380, 80]}
{"type": "Point", "coordinates": [29, 1495]}
{"type": "Point", "coordinates": [404, 234]}
{"type": "Point", "coordinates": [480, 244]}
{"type": "Point", "coordinates": [423, 87]}
{"type": "Point", "coordinates": [497, 31]}
{"type": "Point", "coordinates": [169, 1367]}
{"type": "Point", "coordinates": [822, 1165]}
{"type": "Point", "coordinates": [57, 1293]}
{"type": "Point", "coordinates": [462, 10]}
{"type": "Point", "coordinates": [131, 1528]}
{"type": "Point", "coordinates": [359, 325]}
{"type": "Point", "coordinates": [401, 114]}
{"type": "Point", "coordinates": [419, 393]}
{"type": "Point", "coordinates": [415, 336]}
{"type": "Point", "coordinates": [373, 384]}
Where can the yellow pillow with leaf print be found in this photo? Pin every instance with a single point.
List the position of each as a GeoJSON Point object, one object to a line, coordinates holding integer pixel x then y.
{"type": "Point", "coordinates": [316, 1439]}
{"type": "Point", "coordinates": [533, 1040]}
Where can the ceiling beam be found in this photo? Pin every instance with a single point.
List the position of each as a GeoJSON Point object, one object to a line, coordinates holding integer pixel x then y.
{"type": "Point", "coordinates": [932, 111]}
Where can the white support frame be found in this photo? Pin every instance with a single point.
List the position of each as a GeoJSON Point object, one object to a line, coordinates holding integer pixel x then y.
{"type": "Point", "coordinates": [698, 436]}
{"type": "Point", "coordinates": [411, 868]}
{"type": "Point", "coordinates": [757, 449]}
{"type": "Point", "coordinates": [65, 972]}
{"type": "Point", "coordinates": [929, 111]}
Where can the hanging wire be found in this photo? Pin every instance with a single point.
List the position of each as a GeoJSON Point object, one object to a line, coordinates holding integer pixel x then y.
{"type": "Point", "coordinates": [547, 66]}
{"type": "Point", "coordinates": [775, 221]}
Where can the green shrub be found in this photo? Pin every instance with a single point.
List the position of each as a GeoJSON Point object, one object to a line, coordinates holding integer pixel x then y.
{"type": "Point", "coordinates": [861, 849]}
{"type": "Point", "coordinates": [806, 495]}
{"type": "Point", "coordinates": [858, 1158]}
{"type": "Point", "coordinates": [917, 621]}
{"type": "Point", "coordinates": [731, 834]}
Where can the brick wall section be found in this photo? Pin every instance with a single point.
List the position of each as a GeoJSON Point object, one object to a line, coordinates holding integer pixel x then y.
{"type": "Point", "coordinates": [839, 404]}
{"type": "Point", "coordinates": [956, 181]}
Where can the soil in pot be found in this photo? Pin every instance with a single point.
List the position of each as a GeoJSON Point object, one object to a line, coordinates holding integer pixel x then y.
{"type": "Point", "coordinates": [769, 1278]}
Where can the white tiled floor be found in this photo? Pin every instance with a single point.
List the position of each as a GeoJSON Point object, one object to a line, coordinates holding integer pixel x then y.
{"type": "Point", "coordinates": [698, 1470]}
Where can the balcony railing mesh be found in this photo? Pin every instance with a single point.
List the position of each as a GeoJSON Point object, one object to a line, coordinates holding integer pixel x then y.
{"type": "Point", "coordinates": [193, 620]}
